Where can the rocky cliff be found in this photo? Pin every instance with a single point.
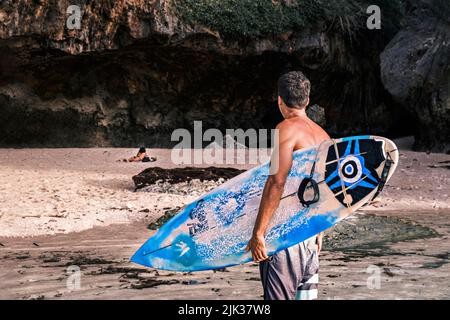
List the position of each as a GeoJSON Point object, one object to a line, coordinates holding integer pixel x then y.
{"type": "Point", "coordinates": [415, 69]}
{"type": "Point", "coordinates": [137, 69]}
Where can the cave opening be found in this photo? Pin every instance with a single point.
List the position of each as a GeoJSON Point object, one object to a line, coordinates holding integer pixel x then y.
{"type": "Point", "coordinates": [141, 93]}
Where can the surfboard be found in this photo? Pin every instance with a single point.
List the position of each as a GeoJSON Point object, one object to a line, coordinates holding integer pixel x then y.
{"type": "Point", "coordinates": [213, 231]}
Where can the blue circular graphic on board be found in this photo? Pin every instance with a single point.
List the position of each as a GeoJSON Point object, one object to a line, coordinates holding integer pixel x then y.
{"type": "Point", "coordinates": [351, 169]}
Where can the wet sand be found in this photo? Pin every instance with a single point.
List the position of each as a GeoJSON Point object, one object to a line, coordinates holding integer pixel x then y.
{"type": "Point", "coordinates": [38, 267]}
{"type": "Point", "coordinates": [76, 207]}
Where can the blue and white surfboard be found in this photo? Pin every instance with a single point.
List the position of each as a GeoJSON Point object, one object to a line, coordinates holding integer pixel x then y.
{"type": "Point", "coordinates": [213, 231]}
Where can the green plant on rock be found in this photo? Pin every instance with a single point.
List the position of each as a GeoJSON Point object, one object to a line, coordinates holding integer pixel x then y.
{"type": "Point", "coordinates": [259, 18]}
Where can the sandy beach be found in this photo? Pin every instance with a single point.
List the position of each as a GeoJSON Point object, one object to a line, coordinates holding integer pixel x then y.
{"type": "Point", "coordinates": [65, 207]}
{"type": "Point", "coordinates": [86, 84]}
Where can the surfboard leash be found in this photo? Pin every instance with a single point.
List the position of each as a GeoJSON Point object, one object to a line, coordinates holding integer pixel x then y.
{"type": "Point", "coordinates": [309, 182]}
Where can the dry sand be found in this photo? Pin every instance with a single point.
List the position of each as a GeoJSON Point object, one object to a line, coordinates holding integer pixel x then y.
{"type": "Point", "coordinates": [49, 196]}
{"type": "Point", "coordinates": [48, 191]}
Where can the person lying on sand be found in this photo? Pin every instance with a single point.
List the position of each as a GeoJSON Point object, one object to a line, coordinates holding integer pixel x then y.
{"type": "Point", "coordinates": [141, 156]}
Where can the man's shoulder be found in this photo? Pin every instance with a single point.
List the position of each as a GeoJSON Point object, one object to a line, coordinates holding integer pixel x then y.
{"type": "Point", "coordinates": [289, 127]}
{"type": "Point", "coordinates": [287, 124]}
{"type": "Point", "coordinates": [286, 131]}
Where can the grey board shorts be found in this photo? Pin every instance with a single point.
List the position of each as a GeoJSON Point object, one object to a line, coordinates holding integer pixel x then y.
{"type": "Point", "coordinates": [291, 274]}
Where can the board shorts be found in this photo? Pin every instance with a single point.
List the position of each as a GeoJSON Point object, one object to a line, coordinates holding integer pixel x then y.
{"type": "Point", "coordinates": [292, 274]}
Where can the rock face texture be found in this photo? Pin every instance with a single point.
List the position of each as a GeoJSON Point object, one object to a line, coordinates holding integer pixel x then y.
{"type": "Point", "coordinates": [415, 69]}
{"type": "Point", "coordinates": [136, 70]}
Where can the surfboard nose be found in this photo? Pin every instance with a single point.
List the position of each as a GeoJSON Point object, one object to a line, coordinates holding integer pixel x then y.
{"type": "Point", "coordinates": [160, 264]}
{"type": "Point", "coordinates": [178, 254]}
{"type": "Point", "coordinates": [147, 260]}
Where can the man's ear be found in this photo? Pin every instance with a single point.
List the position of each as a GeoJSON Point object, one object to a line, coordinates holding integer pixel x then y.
{"type": "Point", "coordinates": [281, 103]}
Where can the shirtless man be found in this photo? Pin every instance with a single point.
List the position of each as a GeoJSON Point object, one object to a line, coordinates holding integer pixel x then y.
{"type": "Point", "coordinates": [291, 273]}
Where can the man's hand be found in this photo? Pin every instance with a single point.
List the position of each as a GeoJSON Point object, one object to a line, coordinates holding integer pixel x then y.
{"type": "Point", "coordinates": [257, 245]}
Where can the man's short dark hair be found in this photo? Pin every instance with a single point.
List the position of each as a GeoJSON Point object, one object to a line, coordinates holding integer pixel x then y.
{"type": "Point", "coordinates": [294, 88]}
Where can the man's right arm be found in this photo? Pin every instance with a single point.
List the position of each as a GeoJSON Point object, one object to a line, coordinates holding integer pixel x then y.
{"type": "Point", "coordinates": [273, 190]}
